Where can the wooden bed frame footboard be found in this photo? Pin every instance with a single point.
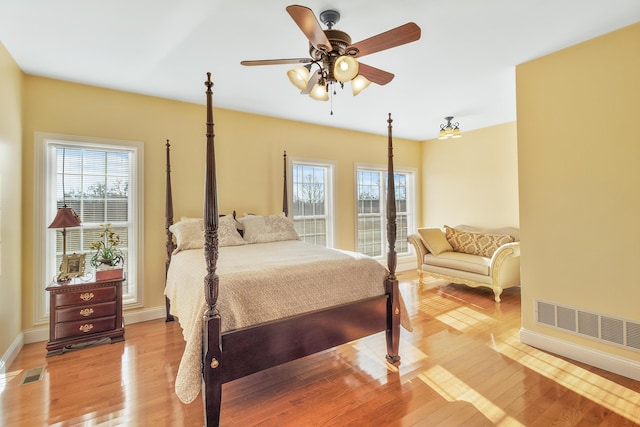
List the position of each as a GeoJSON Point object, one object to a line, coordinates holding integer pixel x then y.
{"type": "Point", "coordinates": [235, 354]}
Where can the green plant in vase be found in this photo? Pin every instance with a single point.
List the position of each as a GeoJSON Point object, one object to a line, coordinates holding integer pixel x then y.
{"type": "Point", "coordinates": [107, 248]}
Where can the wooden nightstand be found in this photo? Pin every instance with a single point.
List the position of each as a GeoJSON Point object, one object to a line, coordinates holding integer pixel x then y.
{"type": "Point", "coordinates": [84, 311]}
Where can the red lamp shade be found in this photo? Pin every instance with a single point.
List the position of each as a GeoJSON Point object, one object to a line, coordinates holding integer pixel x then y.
{"type": "Point", "coordinates": [65, 218]}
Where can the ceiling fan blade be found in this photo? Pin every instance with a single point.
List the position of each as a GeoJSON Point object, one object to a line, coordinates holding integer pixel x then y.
{"type": "Point", "coordinates": [308, 23]}
{"type": "Point", "coordinates": [277, 61]}
{"type": "Point", "coordinates": [374, 74]}
{"type": "Point", "coordinates": [398, 36]}
{"type": "Point", "coordinates": [315, 78]}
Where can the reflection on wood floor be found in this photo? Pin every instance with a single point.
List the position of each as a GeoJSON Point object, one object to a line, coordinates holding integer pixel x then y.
{"type": "Point", "coordinates": [462, 365]}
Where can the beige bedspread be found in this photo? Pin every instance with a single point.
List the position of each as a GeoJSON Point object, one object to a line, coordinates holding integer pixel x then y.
{"type": "Point", "coordinates": [254, 281]}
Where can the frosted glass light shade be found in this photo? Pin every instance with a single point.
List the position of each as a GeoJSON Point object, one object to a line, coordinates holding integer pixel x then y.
{"type": "Point", "coordinates": [359, 84]}
{"type": "Point", "coordinates": [319, 93]}
{"type": "Point", "coordinates": [345, 68]}
{"type": "Point", "coordinates": [299, 77]}
{"type": "Point", "coordinates": [456, 133]}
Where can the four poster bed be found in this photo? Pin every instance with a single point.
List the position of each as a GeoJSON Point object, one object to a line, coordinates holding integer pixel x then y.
{"type": "Point", "coordinates": [244, 324]}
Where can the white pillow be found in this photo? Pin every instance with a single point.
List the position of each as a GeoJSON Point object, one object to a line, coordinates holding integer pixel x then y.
{"type": "Point", "coordinates": [271, 228]}
{"type": "Point", "coordinates": [228, 233]}
{"type": "Point", "coordinates": [189, 233]}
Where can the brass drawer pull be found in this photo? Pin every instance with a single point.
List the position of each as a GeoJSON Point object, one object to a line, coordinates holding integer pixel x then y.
{"type": "Point", "coordinates": [87, 296]}
{"type": "Point", "coordinates": [86, 312]}
{"type": "Point", "coordinates": [86, 327]}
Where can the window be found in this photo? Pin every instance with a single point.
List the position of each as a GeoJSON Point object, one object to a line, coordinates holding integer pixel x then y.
{"type": "Point", "coordinates": [102, 182]}
{"type": "Point", "coordinates": [371, 184]}
{"type": "Point", "coordinates": [312, 202]}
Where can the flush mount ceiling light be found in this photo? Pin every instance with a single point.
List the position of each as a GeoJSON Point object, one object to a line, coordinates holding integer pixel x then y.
{"type": "Point", "coordinates": [449, 130]}
{"type": "Point", "coordinates": [335, 56]}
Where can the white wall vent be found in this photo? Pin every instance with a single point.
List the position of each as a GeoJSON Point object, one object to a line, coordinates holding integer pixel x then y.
{"type": "Point", "coordinates": [609, 329]}
{"type": "Point", "coordinates": [633, 335]}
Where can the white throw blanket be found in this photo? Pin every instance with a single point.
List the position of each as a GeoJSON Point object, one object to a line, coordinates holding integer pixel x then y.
{"type": "Point", "coordinates": [259, 283]}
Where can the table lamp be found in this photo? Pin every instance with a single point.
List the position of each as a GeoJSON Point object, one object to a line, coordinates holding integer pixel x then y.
{"type": "Point", "coordinates": [65, 218]}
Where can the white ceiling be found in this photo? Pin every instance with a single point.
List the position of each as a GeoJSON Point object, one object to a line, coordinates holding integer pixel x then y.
{"type": "Point", "coordinates": [463, 65]}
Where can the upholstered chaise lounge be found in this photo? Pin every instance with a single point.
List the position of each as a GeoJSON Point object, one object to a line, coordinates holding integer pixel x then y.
{"type": "Point", "coordinates": [469, 255]}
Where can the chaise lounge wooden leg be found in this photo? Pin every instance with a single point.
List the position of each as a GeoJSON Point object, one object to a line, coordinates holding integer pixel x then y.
{"type": "Point", "coordinates": [497, 291]}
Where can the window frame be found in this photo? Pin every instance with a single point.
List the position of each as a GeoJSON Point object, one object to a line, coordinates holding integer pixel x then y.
{"type": "Point", "coordinates": [45, 210]}
{"type": "Point", "coordinates": [412, 174]}
{"type": "Point", "coordinates": [330, 167]}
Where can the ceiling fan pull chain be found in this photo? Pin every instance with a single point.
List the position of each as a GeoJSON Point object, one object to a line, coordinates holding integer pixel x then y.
{"type": "Point", "coordinates": [332, 102]}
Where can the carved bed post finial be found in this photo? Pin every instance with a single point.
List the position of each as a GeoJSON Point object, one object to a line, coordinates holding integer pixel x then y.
{"type": "Point", "coordinates": [168, 215]}
{"type": "Point", "coordinates": [391, 207]}
{"type": "Point", "coordinates": [168, 209]}
{"type": "Point", "coordinates": [210, 208]}
{"type": "Point", "coordinates": [212, 323]}
{"type": "Point", "coordinates": [285, 196]}
{"type": "Point", "coordinates": [393, 304]}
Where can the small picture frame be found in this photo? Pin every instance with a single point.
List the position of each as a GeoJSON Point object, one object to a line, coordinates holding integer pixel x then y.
{"type": "Point", "coordinates": [72, 266]}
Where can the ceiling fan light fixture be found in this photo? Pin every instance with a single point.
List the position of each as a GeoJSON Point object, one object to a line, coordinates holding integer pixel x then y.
{"type": "Point", "coordinates": [359, 83]}
{"type": "Point", "coordinates": [334, 53]}
{"type": "Point", "coordinates": [319, 92]}
{"type": "Point", "coordinates": [345, 68]}
{"type": "Point", "coordinates": [299, 77]}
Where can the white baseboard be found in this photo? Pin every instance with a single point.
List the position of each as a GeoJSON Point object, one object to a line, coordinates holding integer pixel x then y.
{"type": "Point", "coordinates": [406, 265]}
{"type": "Point", "coordinates": [36, 334]}
{"type": "Point", "coordinates": [12, 352]}
{"type": "Point", "coordinates": [609, 362]}
{"type": "Point", "coordinates": [144, 315]}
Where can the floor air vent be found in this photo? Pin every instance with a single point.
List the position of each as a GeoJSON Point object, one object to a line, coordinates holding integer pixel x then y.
{"type": "Point", "coordinates": [32, 375]}
{"type": "Point", "coordinates": [609, 329]}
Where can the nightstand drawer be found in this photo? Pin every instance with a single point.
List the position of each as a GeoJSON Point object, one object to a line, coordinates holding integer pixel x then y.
{"type": "Point", "coordinates": [88, 312]}
{"type": "Point", "coordinates": [82, 328]}
{"type": "Point", "coordinates": [83, 297]}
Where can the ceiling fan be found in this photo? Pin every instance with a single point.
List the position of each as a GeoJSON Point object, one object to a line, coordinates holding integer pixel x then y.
{"type": "Point", "coordinates": [335, 56]}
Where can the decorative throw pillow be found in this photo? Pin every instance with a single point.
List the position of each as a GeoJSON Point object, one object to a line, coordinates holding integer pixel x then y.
{"type": "Point", "coordinates": [228, 232]}
{"type": "Point", "coordinates": [476, 243]}
{"type": "Point", "coordinates": [434, 240]}
{"type": "Point", "coordinates": [189, 233]}
{"type": "Point", "coordinates": [264, 229]}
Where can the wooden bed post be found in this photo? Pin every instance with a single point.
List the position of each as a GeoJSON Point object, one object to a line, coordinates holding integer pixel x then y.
{"type": "Point", "coordinates": [211, 330]}
{"type": "Point", "coordinates": [168, 215]}
{"type": "Point", "coordinates": [393, 308]}
{"type": "Point", "coordinates": [285, 197]}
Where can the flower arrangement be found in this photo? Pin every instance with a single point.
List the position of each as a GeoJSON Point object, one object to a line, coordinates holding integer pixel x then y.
{"type": "Point", "coordinates": [107, 250]}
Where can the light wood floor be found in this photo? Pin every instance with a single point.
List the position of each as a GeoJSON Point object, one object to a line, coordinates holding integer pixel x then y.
{"type": "Point", "coordinates": [462, 365]}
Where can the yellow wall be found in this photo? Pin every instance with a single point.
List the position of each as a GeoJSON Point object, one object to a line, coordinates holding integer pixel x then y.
{"type": "Point", "coordinates": [249, 152]}
{"type": "Point", "coordinates": [472, 180]}
{"type": "Point", "coordinates": [11, 83]}
{"type": "Point", "coordinates": [579, 149]}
